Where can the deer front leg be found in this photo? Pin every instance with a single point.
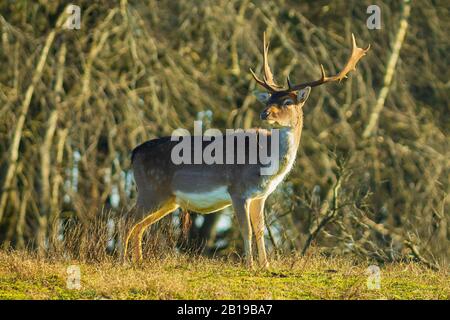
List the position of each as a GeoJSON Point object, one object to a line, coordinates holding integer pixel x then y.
{"type": "Point", "coordinates": [257, 219]}
{"type": "Point", "coordinates": [242, 210]}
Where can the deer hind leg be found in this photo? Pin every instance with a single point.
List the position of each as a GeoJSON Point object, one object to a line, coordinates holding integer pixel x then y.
{"type": "Point", "coordinates": [137, 210]}
{"type": "Point", "coordinates": [257, 219]}
{"type": "Point", "coordinates": [241, 209]}
{"type": "Point", "coordinates": [134, 237]}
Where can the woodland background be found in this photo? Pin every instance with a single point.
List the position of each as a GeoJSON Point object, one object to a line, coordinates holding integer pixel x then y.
{"type": "Point", "coordinates": [372, 176]}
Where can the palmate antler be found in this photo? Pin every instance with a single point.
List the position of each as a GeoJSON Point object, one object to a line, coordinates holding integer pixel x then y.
{"type": "Point", "coordinates": [269, 83]}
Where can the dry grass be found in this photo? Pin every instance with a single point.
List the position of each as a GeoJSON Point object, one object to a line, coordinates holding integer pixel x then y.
{"type": "Point", "coordinates": [23, 276]}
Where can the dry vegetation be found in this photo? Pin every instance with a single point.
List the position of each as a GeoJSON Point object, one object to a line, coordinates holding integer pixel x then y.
{"type": "Point", "coordinates": [74, 103]}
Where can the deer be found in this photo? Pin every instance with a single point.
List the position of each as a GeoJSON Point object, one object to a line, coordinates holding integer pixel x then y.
{"type": "Point", "coordinates": [163, 186]}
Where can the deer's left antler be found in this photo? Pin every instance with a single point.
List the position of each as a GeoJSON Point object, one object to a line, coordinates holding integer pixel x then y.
{"type": "Point", "coordinates": [357, 54]}
{"type": "Point", "coordinates": [269, 84]}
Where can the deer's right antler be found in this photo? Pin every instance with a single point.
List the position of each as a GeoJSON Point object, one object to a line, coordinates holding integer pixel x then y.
{"type": "Point", "coordinates": [268, 81]}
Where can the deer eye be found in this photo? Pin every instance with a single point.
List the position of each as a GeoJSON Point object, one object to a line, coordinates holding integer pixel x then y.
{"type": "Point", "coordinates": [288, 102]}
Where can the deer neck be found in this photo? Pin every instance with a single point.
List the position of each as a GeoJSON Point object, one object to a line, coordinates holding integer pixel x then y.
{"type": "Point", "coordinates": [298, 126]}
{"type": "Point", "coordinates": [290, 138]}
{"type": "Point", "coordinates": [289, 143]}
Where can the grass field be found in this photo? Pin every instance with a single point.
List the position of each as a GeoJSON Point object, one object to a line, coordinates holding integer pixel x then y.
{"type": "Point", "coordinates": [182, 277]}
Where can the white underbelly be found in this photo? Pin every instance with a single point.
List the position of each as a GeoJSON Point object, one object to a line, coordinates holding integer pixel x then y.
{"type": "Point", "coordinates": [204, 202]}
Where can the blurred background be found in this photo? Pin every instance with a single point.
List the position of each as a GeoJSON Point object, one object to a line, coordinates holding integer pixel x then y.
{"type": "Point", "coordinates": [371, 178]}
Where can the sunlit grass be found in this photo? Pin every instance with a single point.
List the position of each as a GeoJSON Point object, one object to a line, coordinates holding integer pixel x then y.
{"type": "Point", "coordinates": [184, 277]}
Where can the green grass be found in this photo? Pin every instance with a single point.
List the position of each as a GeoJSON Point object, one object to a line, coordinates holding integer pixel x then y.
{"type": "Point", "coordinates": [184, 277]}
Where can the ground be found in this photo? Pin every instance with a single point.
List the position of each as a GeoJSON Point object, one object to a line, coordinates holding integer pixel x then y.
{"type": "Point", "coordinates": [183, 277]}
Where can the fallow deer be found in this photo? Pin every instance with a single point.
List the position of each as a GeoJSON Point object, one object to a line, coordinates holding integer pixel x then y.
{"type": "Point", "coordinates": [164, 186]}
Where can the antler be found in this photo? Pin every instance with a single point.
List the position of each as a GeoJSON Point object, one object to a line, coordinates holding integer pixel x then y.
{"type": "Point", "coordinates": [268, 81]}
{"type": "Point", "coordinates": [357, 54]}
{"type": "Point", "coordinates": [269, 84]}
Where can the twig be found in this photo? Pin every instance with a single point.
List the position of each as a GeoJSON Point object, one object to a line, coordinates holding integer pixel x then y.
{"type": "Point", "coordinates": [373, 120]}
{"type": "Point", "coordinates": [330, 215]}
{"type": "Point", "coordinates": [408, 243]}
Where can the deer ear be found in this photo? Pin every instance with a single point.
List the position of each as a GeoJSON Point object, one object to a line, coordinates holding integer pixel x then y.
{"type": "Point", "coordinates": [262, 96]}
{"type": "Point", "coordinates": [303, 94]}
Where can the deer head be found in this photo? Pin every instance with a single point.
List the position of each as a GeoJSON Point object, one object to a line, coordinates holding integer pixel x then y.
{"type": "Point", "coordinates": [284, 105]}
{"type": "Point", "coordinates": [283, 108]}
